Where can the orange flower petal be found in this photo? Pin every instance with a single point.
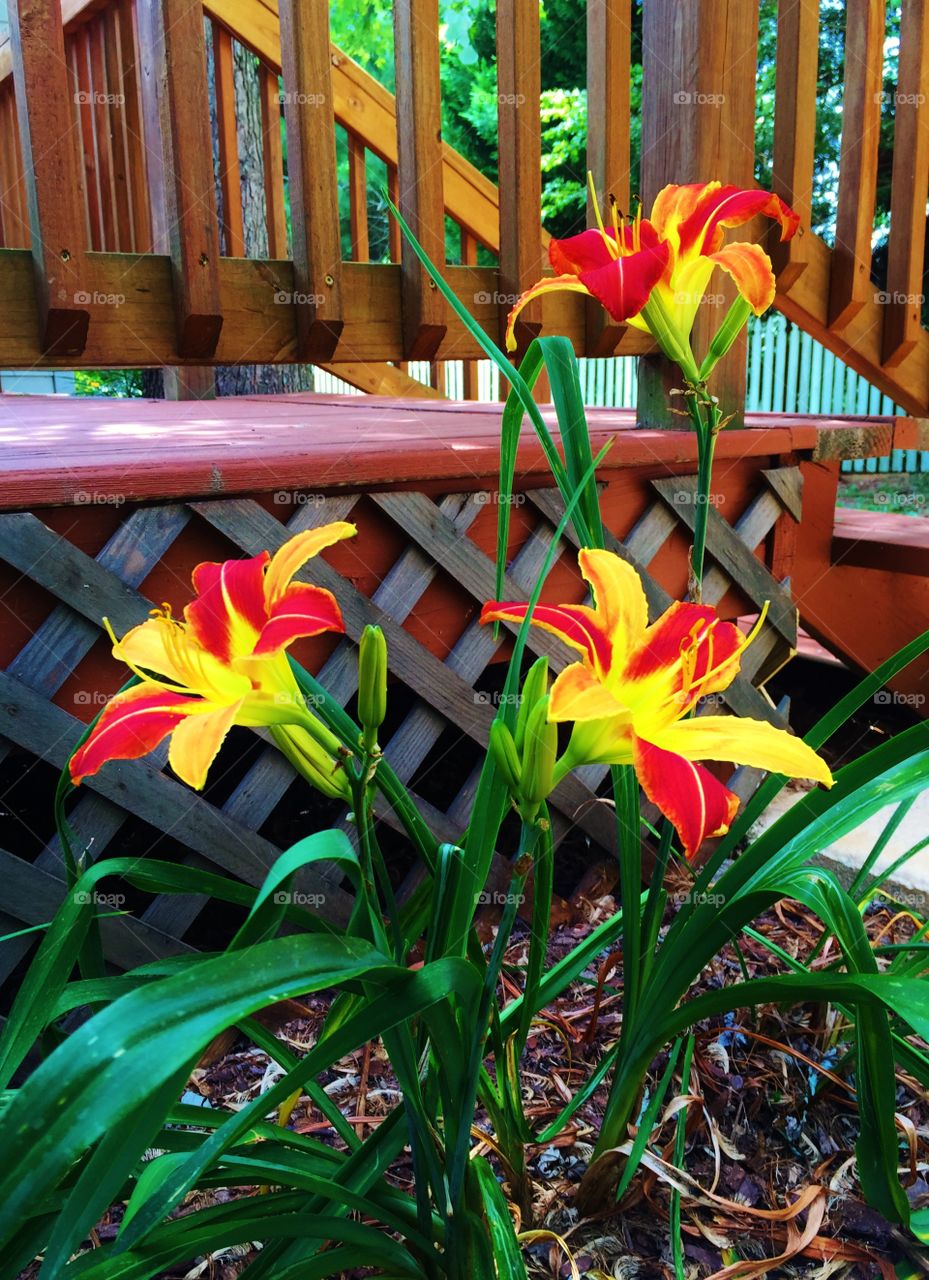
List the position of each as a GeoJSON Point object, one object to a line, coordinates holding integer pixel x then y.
{"type": "Point", "coordinates": [622, 607]}
{"type": "Point", "coordinates": [577, 694]}
{"type": "Point", "coordinates": [550, 284]}
{"type": "Point", "coordinates": [730, 206]}
{"type": "Point", "coordinates": [695, 802]}
{"type": "Point", "coordinates": [132, 724]}
{"type": "Point", "coordinates": [675, 203]}
{"type": "Point", "coordinates": [294, 554]}
{"type": "Point", "coordinates": [750, 742]}
{"type": "Point", "coordinates": [750, 268]}
{"type": "Point", "coordinates": [196, 741]}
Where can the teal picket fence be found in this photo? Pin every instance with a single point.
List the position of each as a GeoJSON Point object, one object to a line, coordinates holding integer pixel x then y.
{"type": "Point", "coordinates": [788, 372]}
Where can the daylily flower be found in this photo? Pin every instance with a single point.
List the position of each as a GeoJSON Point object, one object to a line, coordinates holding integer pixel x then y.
{"type": "Point", "coordinates": [652, 273]}
{"type": "Point", "coordinates": [631, 694]}
{"type": "Point", "coordinates": [225, 664]}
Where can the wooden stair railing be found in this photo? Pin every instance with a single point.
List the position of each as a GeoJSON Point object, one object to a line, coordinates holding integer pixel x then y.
{"type": "Point", "coordinates": [827, 291]}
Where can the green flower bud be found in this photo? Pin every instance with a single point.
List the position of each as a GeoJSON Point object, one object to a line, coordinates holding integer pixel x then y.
{"type": "Point", "coordinates": [535, 686]}
{"type": "Point", "coordinates": [734, 322]}
{"type": "Point", "coordinates": [318, 766]}
{"type": "Point", "coordinates": [372, 679]}
{"type": "Point", "coordinates": [505, 756]}
{"type": "Point", "coordinates": [540, 750]}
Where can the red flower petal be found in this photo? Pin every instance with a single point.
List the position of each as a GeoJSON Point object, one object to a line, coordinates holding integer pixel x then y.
{"type": "Point", "coordinates": [575, 624]}
{"type": "Point", "coordinates": [229, 612]}
{"type": "Point", "coordinates": [695, 802]}
{"type": "Point", "coordinates": [729, 206]}
{"type": "Point", "coordinates": [580, 253]}
{"type": "Point", "coordinates": [712, 650]}
{"type": "Point", "coordinates": [132, 725]}
{"type": "Point", "coordinates": [624, 286]}
{"type": "Point", "coordinates": [301, 611]}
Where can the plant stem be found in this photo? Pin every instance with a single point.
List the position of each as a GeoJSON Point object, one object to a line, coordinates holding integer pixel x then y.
{"type": "Point", "coordinates": [707, 428]}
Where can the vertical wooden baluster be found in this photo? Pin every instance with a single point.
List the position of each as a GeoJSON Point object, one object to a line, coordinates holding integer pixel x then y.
{"type": "Point", "coordinates": [794, 129]}
{"type": "Point", "coordinates": [698, 123]}
{"type": "Point", "coordinates": [10, 230]}
{"type": "Point", "coordinates": [103, 132]}
{"type": "Point", "coordinates": [850, 282]}
{"type": "Point", "coordinates": [56, 219]}
{"type": "Point", "coordinates": [20, 197]}
{"type": "Point", "coordinates": [273, 161]}
{"type": "Point", "coordinates": [469, 373]}
{"type": "Point", "coordinates": [419, 154]}
{"type": "Point", "coordinates": [358, 198]}
{"type": "Point", "coordinates": [112, 20]}
{"type": "Point", "coordinates": [909, 183]}
{"type": "Point", "coordinates": [136, 174]}
{"type": "Point", "coordinates": [77, 115]}
{"type": "Point", "coordinates": [312, 177]}
{"type": "Point", "coordinates": [84, 97]}
{"type": "Point", "coordinates": [177, 96]}
{"type": "Point", "coordinates": [609, 58]}
{"type": "Point", "coordinates": [519, 142]}
{"type": "Point", "coordinates": [230, 177]}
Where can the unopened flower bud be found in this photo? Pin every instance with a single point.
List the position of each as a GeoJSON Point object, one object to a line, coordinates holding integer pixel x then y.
{"type": "Point", "coordinates": [505, 756]}
{"type": "Point", "coordinates": [372, 679]}
{"type": "Point", "coordinates": [535, 686]}
{"type": "Point", "coordinates": [540, 750]}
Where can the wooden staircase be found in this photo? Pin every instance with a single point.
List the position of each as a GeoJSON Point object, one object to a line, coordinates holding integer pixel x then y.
{"type": "Point", "coordinates": [117, 96]}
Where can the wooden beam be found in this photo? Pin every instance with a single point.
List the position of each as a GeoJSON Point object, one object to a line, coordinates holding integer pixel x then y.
{"type": "Point", "coordinates": [609, 57]}
{"type": "Point", "coordinates": [422, 201]}
{"type": "Point", "coordinates": [272, 151]}
{"type": "Point", "coordinates": [56, 215]}
{"type": "Point", "coordinates": [909, 186]}
{"type": "Point", "coordinates": [794, 128]}
{"type": "Point", "coordinates": [312, 177]}
{"type": "Point", "coordinates": [519, 146]}
{"type": "Point", "coordinates": [180, 82]}
{"type": "Point", "coordinates": [698, 123]}
{"type": "Point", "coordinates": [850, 282]}
{"type": "Point", "coordinates": [140, 331]}
{"type": "Point", "coordinates": [230, 178]}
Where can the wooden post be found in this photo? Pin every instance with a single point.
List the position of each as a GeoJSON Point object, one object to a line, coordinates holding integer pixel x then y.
{"type": "Point", "coordinates": [54, 191]}
{"type": "Point", "coordinates": [419, 156]}
{"type": "Point", "coordinates": [794, 129]}
{"type": "Point", "coordinates": [698, 124]}
{"type": "Point", "coordinates": [850, 278]}
{"type": "Point", "coordinates": [519, 144]}
{"type": "Point", "coordinates": [609, 55]}
{"type": "Point", "coordinates": [178, 99]}
{"type": "Point", "coordinates": [312, 177]}
{"type": "Point", "coordinates": [906, 249]}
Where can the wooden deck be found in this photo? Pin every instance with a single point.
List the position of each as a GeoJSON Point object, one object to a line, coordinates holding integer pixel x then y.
{"type": "Point", "coordinates": [58, 450]}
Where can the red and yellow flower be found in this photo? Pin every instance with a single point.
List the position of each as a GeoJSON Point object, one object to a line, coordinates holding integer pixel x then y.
{"type": "Point", "coordinates": [652, 273]}
{"type": "Point", "coordinates": [631, 695]}
{"type": "Point", "coordinates": [225, 664]}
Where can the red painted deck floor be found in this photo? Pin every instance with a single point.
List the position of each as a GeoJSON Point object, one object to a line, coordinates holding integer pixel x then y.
{"type": "Point", "coordinates": [60, 449]}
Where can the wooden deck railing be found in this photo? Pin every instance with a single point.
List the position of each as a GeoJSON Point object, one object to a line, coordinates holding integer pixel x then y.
{"type": "Point", "coordinates": [142, 258]}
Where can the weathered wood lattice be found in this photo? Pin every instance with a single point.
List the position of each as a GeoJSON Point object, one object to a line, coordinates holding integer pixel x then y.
{"type": "Point", "coordinates": [227, 836]}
